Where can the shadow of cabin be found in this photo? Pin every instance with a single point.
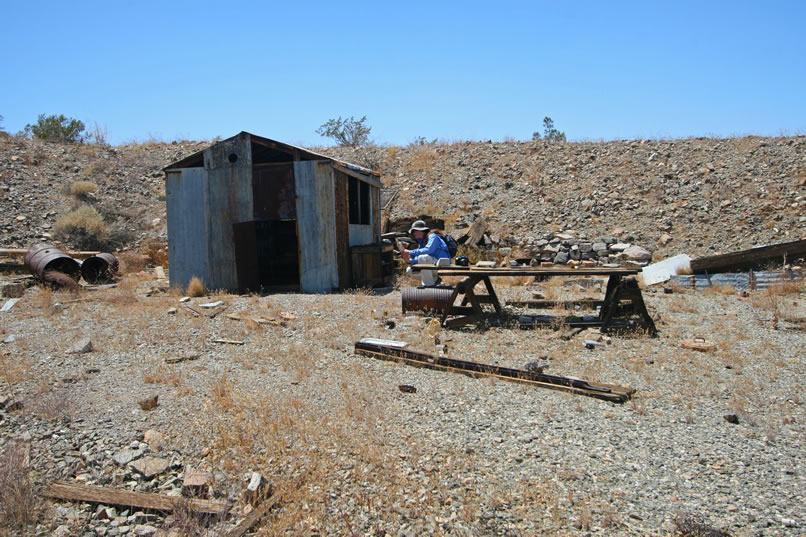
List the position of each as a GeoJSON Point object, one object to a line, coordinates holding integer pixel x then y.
{"type": "Point", "coordinates": [253, 214]}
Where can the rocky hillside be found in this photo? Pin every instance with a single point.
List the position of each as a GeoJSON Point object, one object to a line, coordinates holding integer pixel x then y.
{"type": "Point", "coordinates": [696, 196]}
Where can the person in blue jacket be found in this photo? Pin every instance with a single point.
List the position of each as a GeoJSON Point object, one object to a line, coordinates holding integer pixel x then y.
{"type": "Point", "coordinates": [431, 250]}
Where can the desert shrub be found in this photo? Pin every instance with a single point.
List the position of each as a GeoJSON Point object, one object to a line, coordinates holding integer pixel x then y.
{"type": "Point", "coordinates": [349, 132]}
{"type": "Point", "coordinates": [96, 167]}
{"type": "Point", "coordinates": [56, 128]}
{"type": "Point", "coordinates": [550, 134]}
{"type": "Point", "coordinates": [84, 228]}
{"type": "Point", "coordinates": [19, 504]}
{"type": "Point", "coordinates": [195, 287]}
{"type": "Point", "coordinates": [81, 189]}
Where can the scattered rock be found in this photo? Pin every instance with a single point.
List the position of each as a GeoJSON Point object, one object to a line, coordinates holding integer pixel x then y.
{"type": "Point", "coordinates": [150, 466]}
{"type": "Point", "coordinates": [149, 403]}
{"type": "Point", "coordinates": [258, 489]}
{"type": "Point", "coordinates": [154, 439]}
{"type": "Point", "coordinates": [81, 346]}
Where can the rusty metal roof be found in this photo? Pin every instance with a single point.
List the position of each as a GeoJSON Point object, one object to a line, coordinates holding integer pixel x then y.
{"type": "Point", "coordinates": [298, 153]}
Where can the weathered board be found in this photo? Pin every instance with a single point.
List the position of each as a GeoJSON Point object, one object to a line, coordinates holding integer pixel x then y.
{"type": "Point", "coordinates": [316, 226]}
{"type": "Point", "coordinates": [229, 201]}
{"type": "Point", "coordinates": [749, 258]}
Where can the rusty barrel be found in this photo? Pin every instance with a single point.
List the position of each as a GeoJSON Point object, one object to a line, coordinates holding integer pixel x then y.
{"type": "Point", "coordinates": [434, 299]}
{"type": "Point", "coordinates": [43, 257]}
{"type": "Point", "coordinates": [100, 268]}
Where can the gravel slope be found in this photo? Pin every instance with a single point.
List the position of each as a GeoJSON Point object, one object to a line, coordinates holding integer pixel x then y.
{"type": "Point", "coordinates": [461, 456]}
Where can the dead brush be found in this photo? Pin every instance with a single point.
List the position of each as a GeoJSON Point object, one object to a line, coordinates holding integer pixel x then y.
{"type": "Point", "coordinates": [694, 526]}
{"type": "Point", "coordinates": [421, 159]}
{"type": "Point", "coordinates": [131, 262]}
{"type": "Point", "coordinates": [61, 280]}
{"type": "Point", "coordinates": [221, 392]}
{"type": "Point", "coordinates": [719, 289]}
{"type": "Point", "coordinates": [20, 506]}
{"type": "Point", "coordinates": [156, 251]}
{"type": "Point", "coordinates": [81, 190]}
{"type": "Point", "coordinates": [164, 374]}
{"type": "Point", "coordinates": [187, 521]}
{"type": "Point", "coordinates": [54, 404]}
{"type": "Point", "coordinates": [195, 287]}
{"type": "Point", "coordinates": [15, 368]}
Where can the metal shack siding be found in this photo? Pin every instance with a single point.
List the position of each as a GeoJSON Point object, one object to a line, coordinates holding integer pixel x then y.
{"type": "Point", "coordinates": [229, 201]}
{"type": "Point", "coordinates": [316, 226]}
{"type": "Point", "coordinates": [187, 233]}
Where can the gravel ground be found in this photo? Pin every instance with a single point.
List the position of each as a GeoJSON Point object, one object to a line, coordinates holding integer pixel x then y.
{"type": "Point", "coordinates": [349, 453]}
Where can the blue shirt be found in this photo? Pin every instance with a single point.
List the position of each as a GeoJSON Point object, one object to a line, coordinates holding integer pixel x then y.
{"type": "Point", "coordinates": [435, 247]}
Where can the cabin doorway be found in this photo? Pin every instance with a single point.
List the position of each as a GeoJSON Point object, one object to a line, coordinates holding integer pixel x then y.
{"type": "Point", "coordinates": [267, 248]}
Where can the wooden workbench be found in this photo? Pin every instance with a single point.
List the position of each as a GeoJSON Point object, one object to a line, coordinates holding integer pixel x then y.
{"type": "Point", "coordinates": [622, 289]}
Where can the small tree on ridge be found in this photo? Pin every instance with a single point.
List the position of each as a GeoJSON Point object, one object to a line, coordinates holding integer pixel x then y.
{"type": "Point", "coordinates": [347, 132]}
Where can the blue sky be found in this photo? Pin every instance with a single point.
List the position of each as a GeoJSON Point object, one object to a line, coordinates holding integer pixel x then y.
{"type": "Point", "coordinates": [449, 70]}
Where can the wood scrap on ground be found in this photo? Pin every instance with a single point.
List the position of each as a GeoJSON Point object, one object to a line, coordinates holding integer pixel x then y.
{"type": "Point", "coordinates": [143, 500]}
{"type": "Point", "coordinates": [228, 341]}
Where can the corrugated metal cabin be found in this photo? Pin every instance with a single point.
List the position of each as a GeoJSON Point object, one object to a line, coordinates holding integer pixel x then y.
{"type": "Point", "coordinates": [249, 214]}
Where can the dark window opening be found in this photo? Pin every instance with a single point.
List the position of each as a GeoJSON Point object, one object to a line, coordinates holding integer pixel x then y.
{"type": "Point", "coordinates": [359, 199]}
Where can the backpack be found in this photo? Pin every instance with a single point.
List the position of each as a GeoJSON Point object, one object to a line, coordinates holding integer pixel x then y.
{"type": "Point", "coordinates": [450, 242]}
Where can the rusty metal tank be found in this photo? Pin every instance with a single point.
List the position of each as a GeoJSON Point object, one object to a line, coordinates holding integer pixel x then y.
{"type": "Point", "coordinates": [433, 299]}
{"type": "Point", "coordinates": [100, 268]}
{"type": "Point", "coordinates": [43, 257]}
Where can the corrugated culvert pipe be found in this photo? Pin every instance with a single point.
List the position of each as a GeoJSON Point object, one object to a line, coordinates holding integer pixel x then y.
{"type": "Point", "coordinates": [43, 258]}
{"type": "Point", "coordinates": [100, 268]}
{"type": "Point", "coordinates": [434, 299]}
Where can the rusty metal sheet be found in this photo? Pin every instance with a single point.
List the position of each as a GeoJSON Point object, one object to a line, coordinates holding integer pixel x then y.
{"type": "Point", "coordinates": [274, 193]}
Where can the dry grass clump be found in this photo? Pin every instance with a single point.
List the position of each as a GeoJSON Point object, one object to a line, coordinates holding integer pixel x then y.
{"type": "Point", "coordinates": [787, 287]}
{"type": "Point", "coordinates": [81, 189]}
{"type": "Point", "coordinates": [14, 368]}
{"type": "Point", "coordinates": [19, 504]}
{"type": "Point", "coordinates": [421, 160]}
{"type": "Point", "coordinates": [719, 289]}
{"type": "Point", "coordinates": [54, 404]}
{"type": "Point", "coordinates": [221, 392]}
{"type": "Point", "coordinates": [164, 374]}
{"type": "Point", "coordinates": [84, 227]}
{"type": "Point", "coordinates": [96, 167]}
{"type": "Point", "coordinates": [196, 287]}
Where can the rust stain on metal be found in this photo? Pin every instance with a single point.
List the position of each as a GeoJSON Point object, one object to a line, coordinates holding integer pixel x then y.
{"type": "Point", "coordinates": [100, 268]}
{"type": "Point", "coordinates": [43, 257]}
{"type": "Point", "coordinates": [426, 298]}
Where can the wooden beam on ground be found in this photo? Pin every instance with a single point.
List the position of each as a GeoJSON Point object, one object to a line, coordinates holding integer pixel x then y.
{"type": "Point", "coordinates": [749, 258]}
{"type": "Point", "coordinates": [127, 498]}
{"type": "Point", "coordinates": [20, 252]}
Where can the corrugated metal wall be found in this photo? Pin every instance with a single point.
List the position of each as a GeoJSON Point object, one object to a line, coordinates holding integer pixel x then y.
{"type": "Point", "coordinates": [229, 201]}
{"type": "Point", "coordinates": [187, 232]}
{"type": "Point", "coordinates": [316, 225]}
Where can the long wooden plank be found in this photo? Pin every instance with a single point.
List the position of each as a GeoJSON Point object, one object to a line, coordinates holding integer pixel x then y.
{"type": "Point", "coordinates": [607, 392]}
{"type": "Point", "coordinates": [20, 252]}
{"type": "Point", "coordinates": [749, 258]}
{"type": "Point", "coordinates": [142, 500]}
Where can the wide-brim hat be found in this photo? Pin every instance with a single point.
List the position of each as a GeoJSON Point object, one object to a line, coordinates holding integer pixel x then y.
{"type": "Point", "coordinates": [419, 225]}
